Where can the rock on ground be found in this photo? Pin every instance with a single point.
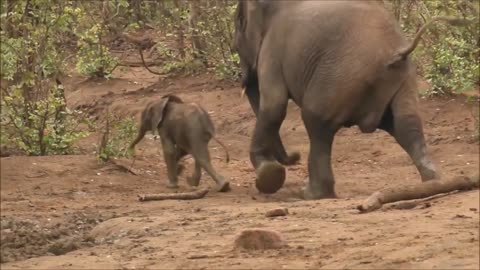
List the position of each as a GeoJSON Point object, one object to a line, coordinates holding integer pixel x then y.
{"type": "Point", "coordinates": [255, 239]}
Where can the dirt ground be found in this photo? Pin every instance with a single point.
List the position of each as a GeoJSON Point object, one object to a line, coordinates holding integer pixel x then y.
{"type": "Point", "coordinates": [71, 212]}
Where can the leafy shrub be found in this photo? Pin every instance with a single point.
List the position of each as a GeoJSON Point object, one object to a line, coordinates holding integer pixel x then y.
{"type": "Point", "coordinates": [51, 127]}
{"type": "Point", "coordinates": [93, 56]}
{"type": "Point", "coordinates": [448, 56]}
{"type": "Point", "coordinates": [117, 137]}
{"type": "Point", "coordinates": [34, 116]}
{"type": "Point", "coordinates": [451, 69]}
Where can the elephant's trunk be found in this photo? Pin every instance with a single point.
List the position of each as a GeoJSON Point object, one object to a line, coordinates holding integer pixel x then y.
{"type": "Point", "coordinates": [141, 134]}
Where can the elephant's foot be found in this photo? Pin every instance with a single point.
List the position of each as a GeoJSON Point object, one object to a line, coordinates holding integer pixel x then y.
{"type": "Point", "coordinates": [223, 186]}
{"type": "Point", "coordinates": [291, 159]}
{"type": "Point", "coordinates": [172, 185]}
{"type": "Point", "coordinates": [311, 194]}
{"type": "Point", "coordinates": [427, 170]}
{"type": "Point", "coordinates": [270, 177]}
{"type": "Point", "coordinates": [429, 175]}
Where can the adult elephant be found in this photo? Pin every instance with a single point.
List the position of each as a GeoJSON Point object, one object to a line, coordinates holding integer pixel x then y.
{"type": "Point", "coordinates": [343, 63]}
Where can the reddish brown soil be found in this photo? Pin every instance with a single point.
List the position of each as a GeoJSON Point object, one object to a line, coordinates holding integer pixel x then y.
{"type": "Point", "coordinates": [71, 212]}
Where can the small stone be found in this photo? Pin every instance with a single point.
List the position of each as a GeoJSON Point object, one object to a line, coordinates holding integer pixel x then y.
{"type": "Point", "coordinates": [258, 239]}
{"type": "Point", "coordinates": [278, 212]}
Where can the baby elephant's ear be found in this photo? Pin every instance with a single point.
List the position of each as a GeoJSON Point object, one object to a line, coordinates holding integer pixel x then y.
{"type": "Point", "coordinates": [158, 113]}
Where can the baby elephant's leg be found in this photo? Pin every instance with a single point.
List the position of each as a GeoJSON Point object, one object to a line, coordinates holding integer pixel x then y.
{"type": "Point", "coordinates": [180, 153]}
{"type": "Point", "coordinates": [194, 180]}
{"type": "Point", "coordinates": [202, 157]}
{"type": "Point", "coordinates": [169, 154]}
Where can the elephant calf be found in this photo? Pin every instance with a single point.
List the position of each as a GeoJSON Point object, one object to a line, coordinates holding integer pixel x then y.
{"type": "Point", "coordinates": [183, 129]}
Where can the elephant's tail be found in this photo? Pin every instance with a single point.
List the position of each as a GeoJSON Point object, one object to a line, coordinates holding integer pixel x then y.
{"type": "Point", "coordinates": [403, 53]}
{"type": "Point", "coordinates": [224, 147]}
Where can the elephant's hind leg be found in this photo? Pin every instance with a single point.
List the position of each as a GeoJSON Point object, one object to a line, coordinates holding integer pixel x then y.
{"type": "Point", "coordinates": [321, 183]}
{"type": "Point", "coordinates": [194, 180]}
{"type": "Point", "coordinates": [406, 127]}
{"type": "Point", "coordinates": [202, 157]}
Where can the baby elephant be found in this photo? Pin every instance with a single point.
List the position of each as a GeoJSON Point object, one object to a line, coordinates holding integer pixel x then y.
{"type": "Point", "coordinates": [183, 129]}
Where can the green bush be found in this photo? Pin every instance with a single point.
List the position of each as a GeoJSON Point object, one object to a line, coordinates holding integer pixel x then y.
{"type": "Point", "coordinates": [51, 128]}
{"type": "Point", "coordinates": [448, 56]}
{"type": "Point", "coordinates": [34, 116]}
{"type": "Point", "coordinates": [118, 134]}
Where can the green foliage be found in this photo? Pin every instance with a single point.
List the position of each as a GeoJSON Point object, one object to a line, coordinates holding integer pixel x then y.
{"type": "Point", "coordinates": [448, 57]}
{"type": "Point", "coordinates": [93, 56]}
{"type": "Point", "coordinates": [50, 127]}
{"type": "Point", "coordinates": [203, 33]}
{"type": "Point", "coordinates": [34, 115]}
{"type": "Point", "coordinates": [451, 69]}
{"type": "Point", "coordinates": [117, 138]}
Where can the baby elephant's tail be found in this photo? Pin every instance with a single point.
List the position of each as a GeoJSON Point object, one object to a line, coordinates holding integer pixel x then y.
{"type": "Point", "coordinates": [224, 147]}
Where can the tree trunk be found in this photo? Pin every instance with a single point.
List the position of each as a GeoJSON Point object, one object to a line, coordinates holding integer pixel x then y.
{"type": "Point", "coordinates": [198, 48]}
{"type": "Point", "coordinates": [180, 31]}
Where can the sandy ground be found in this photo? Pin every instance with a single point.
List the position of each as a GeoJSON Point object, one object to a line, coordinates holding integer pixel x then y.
{"type": "Point", "coordinates": [72, 212]}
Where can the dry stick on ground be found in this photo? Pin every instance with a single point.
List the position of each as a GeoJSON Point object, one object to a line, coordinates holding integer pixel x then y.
{"type": "Point", "coordinates": [125, 167]}
{"type": "Point", "coordinates": [423, 190]}
{"type": "Point", "coordinates": [198, 194]}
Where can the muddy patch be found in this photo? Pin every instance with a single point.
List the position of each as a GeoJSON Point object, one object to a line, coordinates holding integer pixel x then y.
{"type": "Point", "coordinates": [22, 239]}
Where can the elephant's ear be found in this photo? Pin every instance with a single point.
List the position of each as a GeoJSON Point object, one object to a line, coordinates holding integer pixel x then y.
{"type": "Point", "coordinates": [158, 112]}
{"type": "Point", "coordinates": [251, 25]}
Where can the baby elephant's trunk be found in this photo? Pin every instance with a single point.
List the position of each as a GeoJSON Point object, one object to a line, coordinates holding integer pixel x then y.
{"type": "Point", "coordinates": [141, 133]}
{"type": "Point", "coordinates": [224, 147]}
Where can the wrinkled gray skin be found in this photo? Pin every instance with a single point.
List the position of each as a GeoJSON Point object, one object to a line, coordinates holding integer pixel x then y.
{"type": "Point", "coordinates": [183, 129]}
{"type": "Point", "coordinates": [343, 63]}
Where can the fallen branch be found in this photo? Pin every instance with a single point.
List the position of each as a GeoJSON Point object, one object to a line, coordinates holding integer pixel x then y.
{"type": "Point", "coordinates": [125, 167]}
{"type": "Point", "coordinates": [422, 190]}
{"type": "Point", "coordinates": [203, 256]}
{"type": "Point", "coordinates": [141, 64]}
{"type": "Point", "coordinates": [198, 194]}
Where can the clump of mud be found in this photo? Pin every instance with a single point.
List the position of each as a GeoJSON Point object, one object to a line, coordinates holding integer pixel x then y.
{"type": "Point", "coordinates": [24, 239]}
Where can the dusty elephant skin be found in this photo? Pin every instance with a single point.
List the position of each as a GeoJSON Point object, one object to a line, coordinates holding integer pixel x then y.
{"type": "Point", "coordinates": [183, 129]}
{"type": "Point", "coordinates": [343, 63]}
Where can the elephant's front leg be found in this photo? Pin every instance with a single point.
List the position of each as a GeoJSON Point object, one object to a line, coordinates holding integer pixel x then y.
{"type": "Point", "coordinates": [170, 156]}
{"type": "Point", "coordinates": [279, 151]}
{"type": "Point", "coordinates": [272, 112]}
{"type": "Point", "coordinates": [321, 183]}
